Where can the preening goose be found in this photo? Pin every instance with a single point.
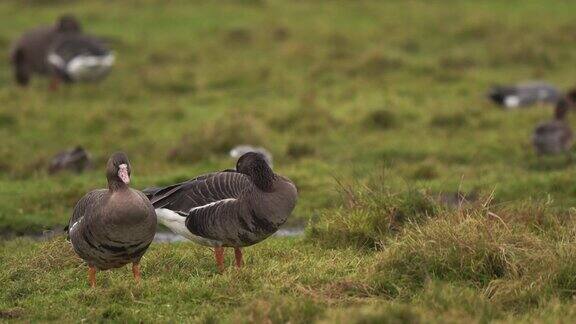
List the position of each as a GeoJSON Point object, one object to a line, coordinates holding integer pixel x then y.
{"type": "Point", "coordinates": [235, 208]}
{"type": "Point", "coordinates": [555, 136]}
{"type": "Point", "coordinates": [78, 58]}
{"type": "Point", "coordinates": [29, 53]}
{"type": "Point", "coordinates": [62, 52]}
{"type": "Point", "coordinates": [524, 94]}
{"type": "Point", "coordinates": [112, 227]}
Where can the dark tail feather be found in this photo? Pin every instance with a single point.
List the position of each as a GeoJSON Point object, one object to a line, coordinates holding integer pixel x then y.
{"type": "Point", "coordinates": [150, 192]}
{"type": "Point", "coordinates": [66, 230]}
{"type": "Point", "coordinates": [21, 72]}
{"type": "Point", "coordinates": [160, 196]}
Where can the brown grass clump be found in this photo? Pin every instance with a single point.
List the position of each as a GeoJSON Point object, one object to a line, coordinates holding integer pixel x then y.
{"type": "Point", "coordinates": [376, 64]}
{"type": "Point", "coordinates": [449, 121]}
{"type": "Point", "coordinates": [513, 266]}
{"type": "Point", "coordinates": [309, 117]}
{"type": "Point", "coordinates": [369, 215]}
{"type": "Point", "coordinates": [380, 119]}
{"type": "Point", "coordinates": [300, 148]}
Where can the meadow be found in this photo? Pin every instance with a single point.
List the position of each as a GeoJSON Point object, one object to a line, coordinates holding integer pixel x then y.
{"type": "Point", "coordinates": [375, 109]}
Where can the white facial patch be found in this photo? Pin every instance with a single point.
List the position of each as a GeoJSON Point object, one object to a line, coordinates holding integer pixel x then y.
{"type": "Point", "coordinates": [123, 173]}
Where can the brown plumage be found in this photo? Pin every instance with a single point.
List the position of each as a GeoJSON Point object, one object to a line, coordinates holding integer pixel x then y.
{"type": "Point", "coordinates": [113, 227]}
{"type": "Point", "coordinates": [29, 53]}
{"type": "Point", "coordinates": [234, 208]}
{"type": "Point", "coordinates": [61, 51]}
{"type": "Point", "coordinates": [76, 160]}
{"type": "Point", "coordinates": [555, 136]}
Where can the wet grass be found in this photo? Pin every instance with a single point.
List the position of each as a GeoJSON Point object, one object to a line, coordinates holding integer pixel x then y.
{"type": "Point", "coordinates": [375, 109]}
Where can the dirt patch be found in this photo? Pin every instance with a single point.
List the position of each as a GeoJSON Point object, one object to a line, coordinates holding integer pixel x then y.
{"type": "Point", "coordinates": [11, 313]}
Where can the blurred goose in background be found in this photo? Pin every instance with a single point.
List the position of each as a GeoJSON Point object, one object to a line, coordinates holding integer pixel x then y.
{"type": "Point", "coordinates": [79, 58]}
{"type": "Point", "coordinates": [60, 51]}
{"type": "Point", "coordinates": [555, 136]}
{"type": "Point", "coordinates": [524, 94]}
{"type": "Point", "coordinates": [29, 53]}
{"type": "Point", "coordinates": [112, 227]}
{"type": "Point", "coordinates": [240, 150]}
{"type": "Point", "coordinates": [235, 208]}
{"type": "Point", "coordinates": [76, 160]}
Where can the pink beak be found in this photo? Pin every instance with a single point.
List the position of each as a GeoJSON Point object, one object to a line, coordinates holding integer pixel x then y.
{"type": "Point", "coordinates": [123, 173]}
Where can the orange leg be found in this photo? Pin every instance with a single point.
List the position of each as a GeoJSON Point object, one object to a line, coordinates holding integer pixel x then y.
{"type": "Point", "coordinates": [238, 257]}
{"type": "Point", "coordinates": [54, 84]}
{"type": "Point", "coordinates": [219, 254]}
{"type": "Point", "coordinates": [136, 271]}
{"type": "Point", "coordinates": [92, 276]}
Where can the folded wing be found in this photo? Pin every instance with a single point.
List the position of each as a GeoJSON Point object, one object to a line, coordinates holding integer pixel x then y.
{"type": "Point", "coordinates": [201, 191]}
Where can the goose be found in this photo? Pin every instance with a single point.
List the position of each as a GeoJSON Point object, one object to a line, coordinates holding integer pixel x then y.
{"type": "Point", "coordinates": [112, 227]}
{"type": "Point", "coordinates": [79, 58]}
{"type": "Point", "coordinates": [524, 94]}
{"type": "Point", "coordinates": [76, 159]}
{"type": "Point", "coordinates": [60, 51]}
{"type": "Point", "coordinates": [232, 208]}
{"type": "Point", "coordinates": [555, 136]}
{"type": "Point", "coordinates": [28, 54]}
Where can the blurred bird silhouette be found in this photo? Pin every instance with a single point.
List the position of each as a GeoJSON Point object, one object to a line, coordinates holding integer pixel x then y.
{"type": "Point", "coordinates": [524, 94]}
{"type": "Point", "coordinates": [60, 51]}
{"type": "Point", "coordinates": [76, 160]}
{"type": "Point", "coordinates": [555, 136]}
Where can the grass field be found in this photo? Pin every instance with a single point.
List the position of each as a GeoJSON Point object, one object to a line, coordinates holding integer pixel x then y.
{"type": "Point", "coordinates": [373, 108]}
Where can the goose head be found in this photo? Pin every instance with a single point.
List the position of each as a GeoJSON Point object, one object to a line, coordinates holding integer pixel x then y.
{"type": "Point", "coordinates": [571, 95]}
{"type": "Point", "coordinates": [118, 171]}
{"type": "Point", "coordinates": [240, 150]}
{"type": "Point", "coordinates": [68, 23]}
{"type": "Point", "coordinates": [565, 104]}
{"type": "Point", "coordinates": [254, 165]}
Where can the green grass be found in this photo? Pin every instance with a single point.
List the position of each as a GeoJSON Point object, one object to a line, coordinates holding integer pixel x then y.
{"type": "Point", "coordinates": [373, 108]}
{"type": "Point", "coordinates": [465, 264]}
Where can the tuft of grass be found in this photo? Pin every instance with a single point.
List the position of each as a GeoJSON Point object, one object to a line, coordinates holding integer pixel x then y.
{"type": "Point", "coordinates": [375, 313]}
{"type": "Point", "coordinates": [300, 148]}
{"type": "Point", "coordinates": [425, 171]}
{"type": "Point", "coordinates": [376, 64]}
{"type": "Point", "coordinates": [380, 119]}
{"type": "Point", "coordinates": [310, 118]}
{"type": "Point", "coordinates": [274, 309]}
{"type": "Point", "coordinates": [449, 121]}
{"type": "Point", "coordinates": [238, 36]}
{"type": "Point", "coordinates": [218, 138]}
{"type": "Point", "coordinates": [369, 215]}
{"type": "Point", "coordinates": [510, 263]}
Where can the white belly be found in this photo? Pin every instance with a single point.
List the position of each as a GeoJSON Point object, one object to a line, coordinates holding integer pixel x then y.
{"type": "Point", "coordinates": [89, 68]}
{"type": "Point", "coordinates": [177, 224]}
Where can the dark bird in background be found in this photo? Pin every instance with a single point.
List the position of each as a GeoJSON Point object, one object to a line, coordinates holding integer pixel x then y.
{"type": "Point", "coordinates": [524, 94]}
{"type": "Point", "coordinates": [555, 136]}
{"type": "Point", "coordinates": [79, 58]}
{"type": "Point", "coordinates": [75, 160]}
{"type": "Point", "coordinates": [112, 227]}
{"type": "Point", "coordinates": [62, 52]}
{"type": "Point", "coordinates": [232, 208]}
